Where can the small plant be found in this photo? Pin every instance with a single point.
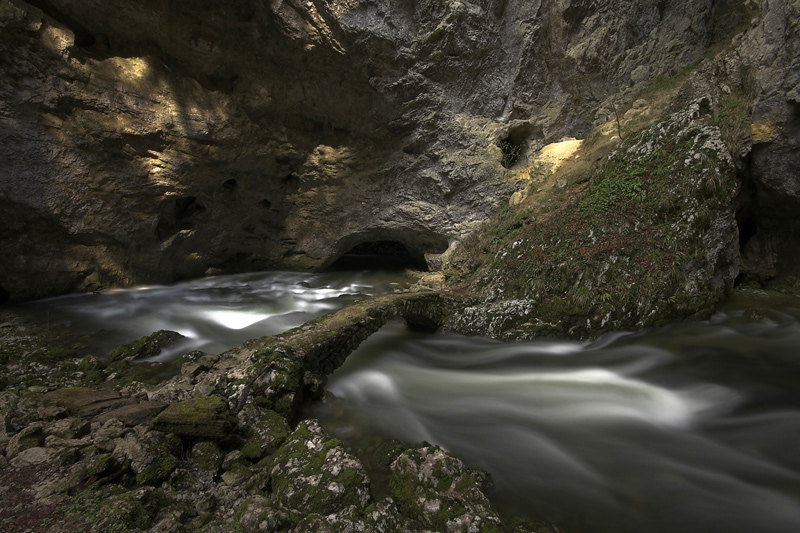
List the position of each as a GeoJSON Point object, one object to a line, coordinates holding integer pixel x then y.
{"type": "Point", "coordinates": [618, 185]}
{"type": "Point", "coordinates": [511, 153]}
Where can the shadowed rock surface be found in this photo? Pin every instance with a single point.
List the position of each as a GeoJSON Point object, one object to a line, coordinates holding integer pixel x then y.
{"type": "Point", "coordinates": [150, 142]}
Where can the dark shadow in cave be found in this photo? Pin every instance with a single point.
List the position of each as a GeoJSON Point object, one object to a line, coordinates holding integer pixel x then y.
{"type": "Point", "coordinates": [5, 297]}
{"type": "Point", "coordinates": [378, 255]}
{"type": "Point", "coordinates": [177, 214]}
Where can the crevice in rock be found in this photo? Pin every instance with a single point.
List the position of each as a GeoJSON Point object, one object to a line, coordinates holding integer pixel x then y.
{"type": "Point", "coordinates": [178, 214]}
{"type": "Point", "coordinates": [511, 152]}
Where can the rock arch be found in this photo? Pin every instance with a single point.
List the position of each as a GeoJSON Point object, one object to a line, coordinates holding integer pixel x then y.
{"type": "Point", "coordinates": [387, 248]}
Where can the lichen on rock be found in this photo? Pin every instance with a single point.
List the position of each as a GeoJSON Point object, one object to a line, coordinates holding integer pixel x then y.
{"type": "Point", "coordinates": [434, 487]}
{"type": "Point", "coordinates": [313, 473]}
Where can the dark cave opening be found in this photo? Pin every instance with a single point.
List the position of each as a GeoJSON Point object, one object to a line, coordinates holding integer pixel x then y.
{"type": "Point", "coordinates": [177, 214]}
{"type": "Point", "coordinates": [747, 230]}
{"type": "Point", "coordinates": [5, 297]}
{"type": "Point", "coordinates": [516, 143]}
{"type": "Point", "coordinates": [378, 255]}
{"type": "Point", "coordinates": [511, 150]}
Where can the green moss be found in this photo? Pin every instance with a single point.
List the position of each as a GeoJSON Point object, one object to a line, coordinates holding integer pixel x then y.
{"type": "Point", "coordinates": [253, 451]}
{"type": "Point", "coordinates": [284, 391]}
{"type": "Point", "coordinates": [193, 411]}
{"type": "Point", "coordinates": [615, 254]}
{"type": "Point", "coordinates": [147, 346]}
{"type": "Point", "coordinates": [157, 472]}
{"type": "Point", "coordinates": [111, 508]}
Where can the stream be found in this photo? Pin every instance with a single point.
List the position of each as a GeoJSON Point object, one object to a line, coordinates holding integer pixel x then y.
{"type": "Point", "coordinates": [691, 427]}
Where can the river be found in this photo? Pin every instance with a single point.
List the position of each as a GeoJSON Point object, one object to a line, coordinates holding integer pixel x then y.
{"type": "Point", "coordinates": [692, 427]}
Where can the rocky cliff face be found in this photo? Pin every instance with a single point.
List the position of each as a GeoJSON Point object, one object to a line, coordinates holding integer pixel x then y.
{"type": "Point", "coordinates": [151, 141]}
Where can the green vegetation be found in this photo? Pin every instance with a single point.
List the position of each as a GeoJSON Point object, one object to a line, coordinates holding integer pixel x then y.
{"type": "Point", "coordinates": [619, 184]}
{"type": "Point", "coordinates": [147, 346]}
{"type": "Point", "coordinates": [620, 254]}
{"type": "Point", "coordinates": [112, 509]}
{"type": "Point", "coordinates": [511, 153]}
{"type": "Point", "coordinates": [668, 84]}
{"type": "Point", "coordinates": [733, 118]}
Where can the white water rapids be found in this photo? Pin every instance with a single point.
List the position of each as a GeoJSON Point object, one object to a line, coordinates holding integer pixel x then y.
{"type": "Point", "coordinates": [663, 431]}
{"type": "Point", "coordinates": [687, 428]}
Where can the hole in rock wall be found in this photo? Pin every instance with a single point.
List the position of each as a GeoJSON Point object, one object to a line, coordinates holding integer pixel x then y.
{"type": "Point", "coordinates": [511, 152]}
{"type": "Point", "coordinates": [747, 230]}
{"type": "Point", "coordinates": [5, 297]}
{"type": "Point", "coordinates": [515, 145]}
{"type": "Point", "coordinates": [229, 184]}
{"type": "Point", "coordinates": [83, 37]}
{"type": "Point", "coordinates": [378, 255]}
{"type": "Point", "coordinates": [177, 214]}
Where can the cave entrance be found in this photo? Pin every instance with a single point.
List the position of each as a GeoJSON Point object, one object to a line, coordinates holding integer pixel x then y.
{"type": "Point", "coordinates": [378, 255]}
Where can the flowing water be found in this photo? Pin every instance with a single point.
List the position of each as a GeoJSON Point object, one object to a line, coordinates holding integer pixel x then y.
{"type": "Point", "coordinates": [693, 427]}
{"type": "Point", "coordinates": [214, 313]}
{"type": "Point", "coordinates": [687, 428]}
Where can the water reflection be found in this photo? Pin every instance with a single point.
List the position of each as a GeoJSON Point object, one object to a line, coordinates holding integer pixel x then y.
{"type": "Point", "coordinates": [692, 427]}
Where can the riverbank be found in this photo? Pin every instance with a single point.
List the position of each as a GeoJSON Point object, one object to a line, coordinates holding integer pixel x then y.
{"type": "Point", "coordinates": [221, 442]}
{"type": "Point", "coordinates": [119, 445]}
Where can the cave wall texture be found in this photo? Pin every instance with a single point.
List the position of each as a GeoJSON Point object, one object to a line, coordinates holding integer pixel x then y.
{"type": "Point", "coordinates": [151, 141]}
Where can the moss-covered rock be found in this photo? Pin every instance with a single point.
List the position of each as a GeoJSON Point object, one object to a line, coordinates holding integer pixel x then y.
{"type": "Point", "coordinates": [147, 346]}
{"type": "Point", "coordinates": [434, 488]}
{"type": "Point", "coordinates": [266, 431]}
{"type": "Point", "coordinates": [152, 454]}
{"type": "Point", "coordinates": [653, 239]}
{"type": "Point", "coordinates": [208, 456]}
{"type": "Point", "coordinates": [113, 509]}
{"type": "Point", "coordinates": [205, 418]}
{"type": "Point", "coordinates": [258, 514]}
{"type": "Point", "coordinates": [313, 473]}
{"type": "Point", "coordinates": [381, 516]}
{"type": "Point", "coordinates": [279, 386]}
{"type": "Point", "coordinates": [93, 369]}
{"type": "Point", "coordinates": [90, 468]}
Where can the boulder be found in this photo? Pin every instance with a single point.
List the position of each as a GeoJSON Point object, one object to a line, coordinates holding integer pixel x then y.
{"type": "Point", "coordinates": [313, 473]}
{"type": "Point", "coordinates": [203, 418]}
{"type": "Point", "coordinates": [433, 487]}
{"type": "Point", "coordinates": [147, 346]}
{"type": "Point", "coordinates": [30, 437]}
{"type": "Point", "coordinates": [133, 414]}
{"type": "Point", "coordinates": [153, 455]}
{"type": "Point", "coordinates": [266, 431]}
